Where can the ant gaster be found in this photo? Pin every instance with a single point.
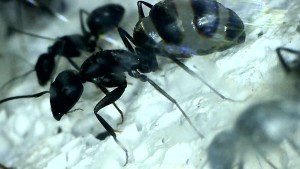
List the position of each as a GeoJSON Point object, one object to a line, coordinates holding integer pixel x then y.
{"type": "Point", "coordinates": [168, 31]}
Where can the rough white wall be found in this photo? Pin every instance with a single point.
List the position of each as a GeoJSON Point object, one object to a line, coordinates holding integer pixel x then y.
{"type": "Point", "coordinates": [154, 132]}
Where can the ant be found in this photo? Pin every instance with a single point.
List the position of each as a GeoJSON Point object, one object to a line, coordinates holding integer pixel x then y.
{"type": "Point", "coordinates": [262, 126]}
{"type": "Point", "coordinates": [168, 31]}
{"type": "Point", "coordinates": [100, 21]}
{"type": "Point", "coordinates": [106, 68]}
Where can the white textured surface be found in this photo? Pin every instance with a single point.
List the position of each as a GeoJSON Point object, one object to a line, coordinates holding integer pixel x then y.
{"type": "Point", "coordinates": [154, 132]}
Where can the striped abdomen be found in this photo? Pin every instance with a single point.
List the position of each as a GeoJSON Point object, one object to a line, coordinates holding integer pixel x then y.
{"type": "Point", "coordinates": [190, 27]}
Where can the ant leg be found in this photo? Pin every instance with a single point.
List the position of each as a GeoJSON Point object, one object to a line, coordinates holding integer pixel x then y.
{"type": "Point", "coordinates": [24, 96]}
{"type": "Point", "coordinates": [102, 88]}
{"type": "Point", "coordinates": [81, 12]}
{"type": "Point", "coordinates": [189, 71]}
{"type": "Point", "coordinates": [105, 91]}
{"type": "Point", "coordinates": [109, 99]}
{"type": "Point", "coordinates": [265, 158]}
{"type": "Point", "coordinates": [73, 63]}
{"type": "Point", "coordinates": [286, 67]}
{"type": "Point", "coordinates": [140, 8]}
{"type": "Point", "coordinates": [126, 38]}
{"type": "Point", "coordinates": [144, 78]}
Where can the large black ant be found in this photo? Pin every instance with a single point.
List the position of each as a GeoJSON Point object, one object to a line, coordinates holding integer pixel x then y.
{"type": "Point", "coordinates": [100, 21]}
{"type": "Point", "coordinates": [106, 68]}
{"type": "Point", "coordinates": [172, 32]}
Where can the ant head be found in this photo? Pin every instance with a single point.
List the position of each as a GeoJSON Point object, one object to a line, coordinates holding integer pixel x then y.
{"type": "Point", "coordinates": [44, 68]}
{"type": "Point", "coordinates": [105, 18]}
{"type": "Point", "coordinates": [65, 91]}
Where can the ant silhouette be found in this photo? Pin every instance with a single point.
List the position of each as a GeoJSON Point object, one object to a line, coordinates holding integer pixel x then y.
{"type": "Point", "coordinates": [261, 127]}
{"type": "Point", "coordinates": [168, 31]}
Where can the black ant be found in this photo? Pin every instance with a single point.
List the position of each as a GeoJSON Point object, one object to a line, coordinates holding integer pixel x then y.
{"type": "Point", "coordinates": [172, 32]}
{"type": "Point", "coordinates": [106, 68]}
{"type": "Point", "coordinates": [100, 21]}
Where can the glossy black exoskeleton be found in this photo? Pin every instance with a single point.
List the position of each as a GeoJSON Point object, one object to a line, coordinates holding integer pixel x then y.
{"type": "Point", "coordinates": [106, 69]}
{"type": "Point", "coordinates": [99, 21]}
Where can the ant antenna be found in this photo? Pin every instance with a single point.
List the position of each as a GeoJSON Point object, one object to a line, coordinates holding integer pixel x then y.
{"type": "Point", "coordinates": [24, 96]}
{"type": "Point", "coordinates": [31, 34]}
